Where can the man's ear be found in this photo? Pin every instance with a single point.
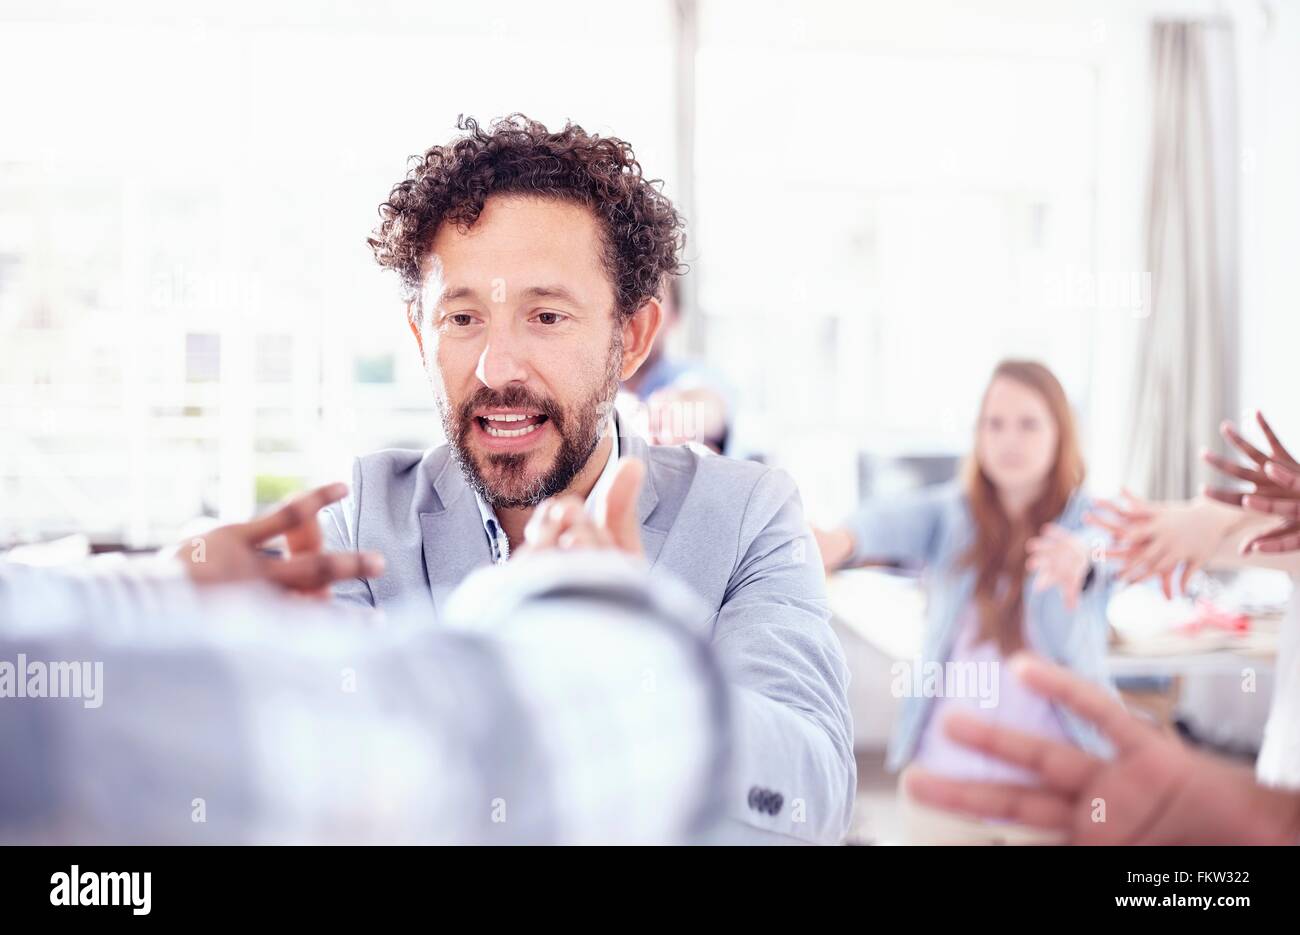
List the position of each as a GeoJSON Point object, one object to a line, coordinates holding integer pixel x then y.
{"type": "Point", "coordinates": [413, 322]}
{"type": "Point", "coordinates": [639, 332]}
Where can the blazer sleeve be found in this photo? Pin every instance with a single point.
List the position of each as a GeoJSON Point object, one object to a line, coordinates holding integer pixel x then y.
{"type": "Point", "coordinates": [338, 524]}
{"type": "Point", "coordinates": [903, 528]}
{"type": "Point", "coordinates": [794, 773]}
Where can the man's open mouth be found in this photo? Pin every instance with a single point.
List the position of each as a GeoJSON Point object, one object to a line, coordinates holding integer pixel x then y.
{"type": "Point", "coordinates": [510, 424]}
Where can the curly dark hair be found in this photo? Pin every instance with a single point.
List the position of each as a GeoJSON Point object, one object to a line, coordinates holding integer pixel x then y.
{"type": "Point", "coordinates": [642, 231]}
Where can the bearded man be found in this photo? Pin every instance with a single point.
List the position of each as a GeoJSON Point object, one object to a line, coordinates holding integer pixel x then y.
{"type": "Point", "coordinates": [533, 265]}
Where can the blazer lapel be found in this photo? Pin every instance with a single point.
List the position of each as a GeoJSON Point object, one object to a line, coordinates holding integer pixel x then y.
{"type": "Point", "coordinates": [454, 540]}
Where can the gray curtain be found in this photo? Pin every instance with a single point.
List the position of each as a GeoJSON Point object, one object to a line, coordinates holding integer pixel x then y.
{"type": "Point", "coordinates": [1186, 381]}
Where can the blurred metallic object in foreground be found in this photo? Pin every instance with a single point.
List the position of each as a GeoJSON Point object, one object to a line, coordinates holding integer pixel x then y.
{"type": "Point", "coordinates": [566, 704]}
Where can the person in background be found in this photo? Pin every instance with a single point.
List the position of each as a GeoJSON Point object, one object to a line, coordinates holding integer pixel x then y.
{"type": "Point", "coordinates": [1258, 527]}
{"type": "Point", "coordinates": [1006, 566]}
{"type": "Point", "coordinates": [684, 400]}
{"type": "Point", "coordinates": [220, 707]}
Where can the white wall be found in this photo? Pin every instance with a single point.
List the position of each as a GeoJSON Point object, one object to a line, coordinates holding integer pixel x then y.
{"type": "Point", "coordinates": [1270, 78]}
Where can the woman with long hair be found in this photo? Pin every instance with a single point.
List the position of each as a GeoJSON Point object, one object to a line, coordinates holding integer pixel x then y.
{"type": "Point", "coordinates": [1006, 567]}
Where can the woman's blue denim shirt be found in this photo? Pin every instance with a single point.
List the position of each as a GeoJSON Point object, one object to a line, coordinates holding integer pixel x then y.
{"type": "Point", "coordinates": [933, 528]}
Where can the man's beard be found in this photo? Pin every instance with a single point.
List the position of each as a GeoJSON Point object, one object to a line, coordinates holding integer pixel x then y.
{"type": "Point", "coordinates": [579, 431]}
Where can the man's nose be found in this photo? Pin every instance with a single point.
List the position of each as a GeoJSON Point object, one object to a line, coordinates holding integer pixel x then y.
{"type": "Point", "coordinates": [501, 362]}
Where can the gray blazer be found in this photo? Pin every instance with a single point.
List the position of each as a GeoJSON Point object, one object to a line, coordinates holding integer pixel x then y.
{"type": "Point", "coordinates": [734, 532]}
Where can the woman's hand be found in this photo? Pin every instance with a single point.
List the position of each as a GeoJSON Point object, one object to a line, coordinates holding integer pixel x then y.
{"type": "Point", "coordinates": [1154, 539]}
{"type": "Point", "coordinates": [1058, 559]}
{"type": "Point", "coordinates": [1275, 480]}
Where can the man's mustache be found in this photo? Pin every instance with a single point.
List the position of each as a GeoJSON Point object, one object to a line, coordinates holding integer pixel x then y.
{"type": "Point", "coordinates": [514, 397]}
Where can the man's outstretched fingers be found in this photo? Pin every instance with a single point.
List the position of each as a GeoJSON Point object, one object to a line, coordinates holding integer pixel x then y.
{"type": "Point", "coordinates": [1284, 538]}
{"type": "Point", "coordinates": [1285, 477]}
{"type": "Point", "coordinates": [1082, 697]}
{"type": "Point", "coordinates": [620, 506]}
{"type": "Point", "coordinates": [294, 512]}
{"type": "Point", "coordinates": [318, 570]}
{"type": "Point", "coordinates": [1025, 805]}
{"type": "Point", "coordinates": [1062, 767]}
{"type": "Point", "coordinates": [1233, 469]}
{"type": "Point", "coordinates": [1279, 450]}
{"type": "Point", "coordinates": [1238, 441]}
{"type": "Point", "coordinates": [584, 536]}
{"type": "Point", "coordinates": [1223, 495]}
{"type": "Point", "coordinates": [550, 520]}
{"type": "Point", "coordinates": [1257, 503]}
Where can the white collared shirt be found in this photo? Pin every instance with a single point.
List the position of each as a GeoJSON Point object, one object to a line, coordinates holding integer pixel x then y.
{"type": "Point", "coordinates": [595, 503]}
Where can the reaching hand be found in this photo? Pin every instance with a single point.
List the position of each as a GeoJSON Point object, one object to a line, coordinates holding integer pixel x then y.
{"type": "Point", "coordinates": [563, 522]}
{"type": "Point", "coordinates": [1156, 790]}
{"type": "Point", "coordinates": [1276, 487]}
{"type": "Point", "coordinates": [234, 552]}
{"type": "Point", "coordinates": [1060, 560]}
{"type": "Point", "coordinates": [1154, 539]}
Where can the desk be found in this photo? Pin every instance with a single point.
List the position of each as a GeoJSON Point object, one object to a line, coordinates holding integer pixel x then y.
{"type": "Point", "coordinates": [887, 610]}
{"type": "Point", "coordinates": [879, 617]}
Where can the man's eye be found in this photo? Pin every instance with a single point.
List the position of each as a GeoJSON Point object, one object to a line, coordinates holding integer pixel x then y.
{"type": "Point", "coordinates": [461, 319]}
{"type": "Point", "coordinates": [549, 318]}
